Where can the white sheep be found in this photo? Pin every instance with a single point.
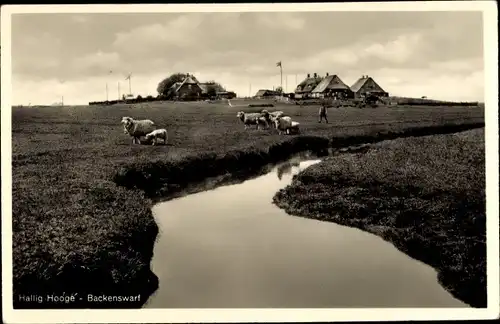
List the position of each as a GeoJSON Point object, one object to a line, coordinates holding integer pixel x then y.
{"type": "Point", "coordinates": [294, 128]}
{"type": "Point", "coordinates": [271, 116]}
{"type": "Point", "coordinates": [137, 128]}
{"type": "Point", "coordinates": [262, 121]}
{"type": "Point", "coordinates": [251, 118]}
{"type": "Point", "coordinates": [276, 114]}
{"type": "Point", "coordinates": [157, 134]}
{"type": "Point", "coordinates": [283, 124]}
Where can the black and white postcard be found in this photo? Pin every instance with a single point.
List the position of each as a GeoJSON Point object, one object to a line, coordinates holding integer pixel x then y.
{"type": "Point", "coordinates": [250, 162]}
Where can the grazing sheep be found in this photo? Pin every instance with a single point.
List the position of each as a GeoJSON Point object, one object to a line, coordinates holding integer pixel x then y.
{"type": "Point", "coordinates": [294, 128]}
{"type": "Point", "coordinates": [157, 134]}
{"type": "Point", "coordinates": [276, 114]}
{"type": "Point", "coordinates": [283, 124]}
{"type": "Point", "coordinates": [251, 118]}
{"type": "Point", "coordinates": [262, 121]}
{"type": "Point", "coordinates": [271, 116]}
{"type": "Point", "coordinates": [137, 128]}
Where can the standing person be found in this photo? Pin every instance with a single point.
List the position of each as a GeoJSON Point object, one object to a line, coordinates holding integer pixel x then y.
{"type": "Point", "coordinates": [322, 112]}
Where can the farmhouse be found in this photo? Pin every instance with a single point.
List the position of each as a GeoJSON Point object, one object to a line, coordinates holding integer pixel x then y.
{"type": "Point", "coordinates": [205, 86]}
{"type": "Point", "coordinates": [366, 85]}
{"type": "Point", "coordinates": [264, 93]}
{"type": "Point", "coordinates": [187, 89]}
{"type": "Point", "coordinates": [305, 88]}
{"type": "Point", "coordinates": [332, 86]}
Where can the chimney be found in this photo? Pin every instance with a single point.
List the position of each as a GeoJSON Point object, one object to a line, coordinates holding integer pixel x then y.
{"type": "Point", "coordinates": [315, 74]}
{"type": "Point", "coordinates": [308, 75]}
{"type": "Point", "coordinates": [327, 74]}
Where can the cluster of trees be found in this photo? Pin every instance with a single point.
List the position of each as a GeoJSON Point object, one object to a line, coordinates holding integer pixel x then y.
{"type": "Point", "coordinates": [165, 90]}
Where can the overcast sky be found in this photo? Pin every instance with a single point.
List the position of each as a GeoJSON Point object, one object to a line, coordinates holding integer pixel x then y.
{"type": "Point", "coordinates": [436, 54]}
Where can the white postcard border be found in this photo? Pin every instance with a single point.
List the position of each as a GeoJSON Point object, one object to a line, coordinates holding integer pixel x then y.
{"type": "Point", "coordinates": [489, 10]}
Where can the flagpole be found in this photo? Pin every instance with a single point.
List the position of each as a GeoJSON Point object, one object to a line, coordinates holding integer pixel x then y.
{"type": "Point", "coordinates": [118, 90]}
{"type": "Point", "coordinates": [107, 91]}
{"type": "Point", "coordinates": [62, 96]}
{"type": "Point", "coordinates": [281, 75]}
{"type": "Point", "coordinates": [129, 77]}
{"type": "Point", "coordinates": [281, 72]}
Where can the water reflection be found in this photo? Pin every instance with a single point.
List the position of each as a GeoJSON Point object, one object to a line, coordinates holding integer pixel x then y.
{"type": "Point", "coordinates": [286, 168]}
{"type": "Point", "coordinates": [231, 247]}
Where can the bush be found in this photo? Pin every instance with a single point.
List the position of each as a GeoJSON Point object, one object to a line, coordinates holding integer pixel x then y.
{"type": "Point", "coordinates": [260, 105]}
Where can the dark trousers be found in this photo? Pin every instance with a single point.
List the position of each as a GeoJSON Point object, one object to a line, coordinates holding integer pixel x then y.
{"type": "Point", "coordinates": [321, 116]}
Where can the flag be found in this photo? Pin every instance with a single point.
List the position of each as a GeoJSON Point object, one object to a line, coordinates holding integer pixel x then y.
{"type": "Point", "coordinates": [128, 77]}
{"type": "Point", "coordinates": [110, 71]}
{"type": "Point", "coordinates": [278, 64]}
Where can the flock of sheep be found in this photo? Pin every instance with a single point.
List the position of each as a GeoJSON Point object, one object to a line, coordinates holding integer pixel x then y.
{"type": "Point", "coordinates": [284, 124]}
{"type": "Point", "coordinates": [147, 128]}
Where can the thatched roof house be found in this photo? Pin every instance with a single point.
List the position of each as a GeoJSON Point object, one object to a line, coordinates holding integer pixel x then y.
{"type": "Point", "coordinates": [188, 88]}
{"type": "Point", "coordinates": [188, 80]}
{"type": "Point", "coordinates": [175, 86]}
{"type": "Point", "coordinates": [332, 85]}
{"type": "Point", "coordinates": [305, 88]}
{"type": "Point", "coordinates": [366, 85]}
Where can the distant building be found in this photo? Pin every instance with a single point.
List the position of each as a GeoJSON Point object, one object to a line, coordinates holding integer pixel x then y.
{"type": "Point", "coordinates": [188, 89]}
{"type": "Point", "coordinates": [332, 86]}
{"type": "Point", "coordinates": [205, 86]}
{"type": "Point", "coordinates": [305, 88]}
{"type": "Point", "coordinates": [366, 86]}
{"type": "Point", "coordinates": [265, 93]}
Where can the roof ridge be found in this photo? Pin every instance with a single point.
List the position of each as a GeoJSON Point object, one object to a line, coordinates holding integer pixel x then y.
{"type": "Point", "coordinates": [327, 81]}
{"type": "Point", "coordinates": [360, 83]}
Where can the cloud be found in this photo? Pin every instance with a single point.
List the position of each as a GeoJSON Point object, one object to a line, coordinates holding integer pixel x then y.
{"type": "Point", "coordinates": [28, 56]}
{"type": "Point", "coordinates": [399, 50]}
{"type": "Point", "coordinates": [80, 19]}
{"type": "Point", "coordinates": [243, 47]}
{"type": "Point", "coordinates": [457, 65]}
{"type": "Point", "coordinates": [80, 92]}
{"type": "Point", "coordinates": [444, 84]}
{"type": "Point", "coordinates": [179, 32]}
{"type": "Point", "coordinates": [96, 63]}
{"type": "Point", "coordinates": [284, 21]}
{"type": "Point", "coordinates": [403, 49]}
